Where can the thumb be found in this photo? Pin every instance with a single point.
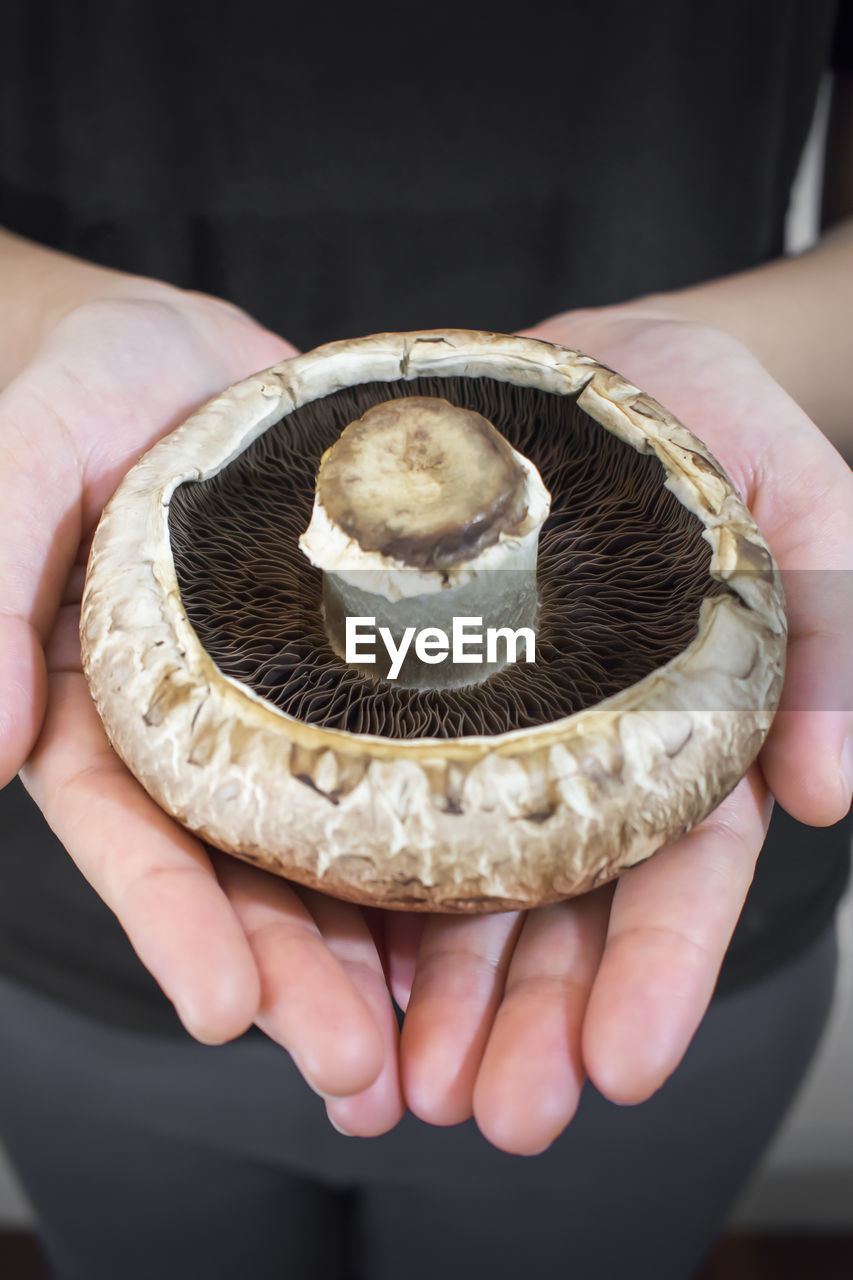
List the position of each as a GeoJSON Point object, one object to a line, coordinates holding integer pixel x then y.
{"type": "Point", "coordinates": [109, 380]}
{"type": "Point", "coordinates": [40, 501]}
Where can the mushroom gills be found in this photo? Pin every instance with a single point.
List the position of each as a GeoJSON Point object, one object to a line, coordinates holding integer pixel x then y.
{"type": "Point", "coordinates": [204, 640]}
{"type": "Point", "coordinates": [623, 569]}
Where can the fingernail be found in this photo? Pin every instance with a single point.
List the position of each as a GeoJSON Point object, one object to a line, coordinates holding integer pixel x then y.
{"type": "Point", "coordinates": [346, 1133]}
{"type": "Point", "coordinates": [847, 763]}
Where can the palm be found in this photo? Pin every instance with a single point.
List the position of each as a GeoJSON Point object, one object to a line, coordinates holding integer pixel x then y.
{"type": "Point", "coordinates": [508, 1014]}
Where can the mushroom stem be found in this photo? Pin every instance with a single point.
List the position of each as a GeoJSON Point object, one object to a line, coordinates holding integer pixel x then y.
{"type": "Point", "coordinates": [426, 525]}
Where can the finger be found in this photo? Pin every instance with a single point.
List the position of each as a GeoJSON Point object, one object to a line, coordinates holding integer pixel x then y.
{"type": "Point", "coordinates": [381, 1106]}
{"type": "Point", "coordinates": [378, 1108]}
{"type": "Point", "coordinates": [155, 876]}
{"type": "Point", "coordinates": [801, 494]}
{"type": "Point", "coordinates": [311, 1002]}
{"type": "Point", "coordinates": [110, 380]}
{"type": "Point", "coordinates": [40, 500]}
{"type": "Point", "coordinates": [456, 991]}
{"type": "Point", "coordinates": [403, 932]}
{"type": "Point", "coordinates": [23, 688]}
{"type": "Point", "coordinates": [670, 923]}
{"type": "Point", "coordinates": [808, 757]}
{"type": "Point", "coordinates": [532, 1073]}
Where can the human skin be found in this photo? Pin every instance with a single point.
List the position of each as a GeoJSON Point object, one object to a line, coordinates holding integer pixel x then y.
{"type": "Point", "coordinates": [506, 1015]}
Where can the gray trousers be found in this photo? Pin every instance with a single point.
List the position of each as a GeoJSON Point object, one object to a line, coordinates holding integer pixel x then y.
{"type": "Point", "coordinates": [149, 1157]}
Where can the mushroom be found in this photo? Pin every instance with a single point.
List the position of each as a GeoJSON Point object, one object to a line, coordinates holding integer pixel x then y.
{"type": "Point", "coordinates": [659, 617]}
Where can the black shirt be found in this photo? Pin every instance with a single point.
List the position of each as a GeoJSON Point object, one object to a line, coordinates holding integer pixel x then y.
{"type": "Point", "coordinates": [340, 171]}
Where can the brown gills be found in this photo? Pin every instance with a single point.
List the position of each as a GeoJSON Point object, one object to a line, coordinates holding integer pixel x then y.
{"type": "Point", "coordinates": [622, 571]}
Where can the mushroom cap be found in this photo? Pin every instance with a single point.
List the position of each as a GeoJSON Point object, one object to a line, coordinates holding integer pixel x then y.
{"type": "Point", "coordinates": [468, 824]}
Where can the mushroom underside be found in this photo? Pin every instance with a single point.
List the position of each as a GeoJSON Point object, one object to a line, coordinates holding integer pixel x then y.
{"type": "Point", "coordinates": [623, 569]}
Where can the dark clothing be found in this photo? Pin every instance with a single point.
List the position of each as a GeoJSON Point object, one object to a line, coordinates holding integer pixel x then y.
{"type": "Point", "coordinates": [390, 167]}
{"type": "Point", "coordinates": [161, 1157]}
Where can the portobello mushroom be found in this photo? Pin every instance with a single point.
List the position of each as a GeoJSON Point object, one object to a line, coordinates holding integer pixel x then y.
{"type": "Point", "coordinates": [218, 670]}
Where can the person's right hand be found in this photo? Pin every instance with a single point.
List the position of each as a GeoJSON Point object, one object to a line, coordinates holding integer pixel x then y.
{"type": "Point", "coordinates": [228, 944]}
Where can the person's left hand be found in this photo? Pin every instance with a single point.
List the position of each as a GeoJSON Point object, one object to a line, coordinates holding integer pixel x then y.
{"type": "Point", "coordinates": [506, 1015]}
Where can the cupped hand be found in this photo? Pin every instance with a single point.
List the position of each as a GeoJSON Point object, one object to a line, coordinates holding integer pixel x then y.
{"type": "Point", "coordinates": [507, 1015]}
{"type": "Point", "coordinates": [228, 944]}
